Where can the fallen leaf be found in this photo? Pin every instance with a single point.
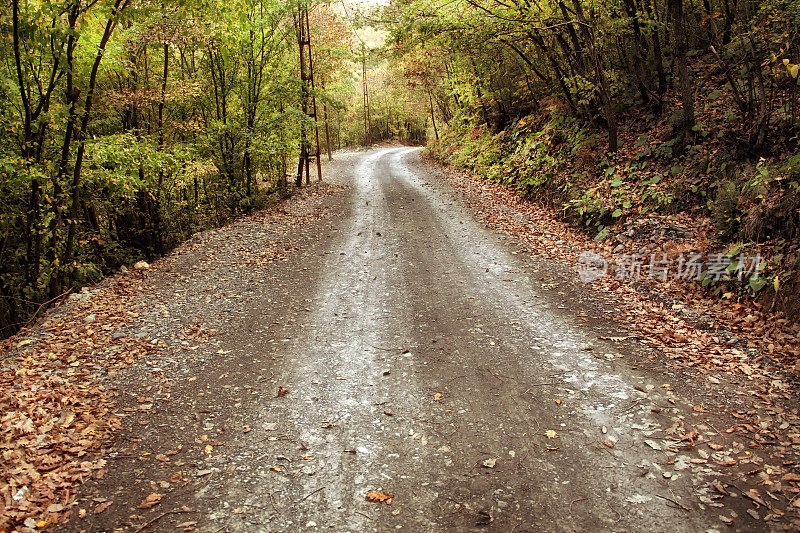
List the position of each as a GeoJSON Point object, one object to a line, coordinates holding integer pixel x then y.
{"type": "Point", "coordinates": [551, 434]}
{"type": "Point", "coordinates": [609, 443]}
{"type": "Point", "coordinates": [558, 401]}
{"type": "Point", "coordinates": [690, 436]}
{"type": "Point", "coordinates": [438, 396]}
{"type": "Point", "coordinates": [489, 463]}
{"type": "Point", "coordinates": [176, 477]}
{"type": "Point", "coordinates": [380, 497]}
{"type": "Point", "coordinates": [102, 507]}
{"type": "Point", "coordinates": [67, 418]}
{"type": "Point", "coordinates": [282, 392]}
{"type": "Point", "coordinates": [151, 500]}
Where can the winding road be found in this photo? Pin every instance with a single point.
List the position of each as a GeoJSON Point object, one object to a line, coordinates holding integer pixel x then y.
{"type": "Point", "coordinates": [418, 355]}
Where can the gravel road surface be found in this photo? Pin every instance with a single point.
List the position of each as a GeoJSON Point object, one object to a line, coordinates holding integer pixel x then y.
{"type": "Point", "coordinates": [386, 343]}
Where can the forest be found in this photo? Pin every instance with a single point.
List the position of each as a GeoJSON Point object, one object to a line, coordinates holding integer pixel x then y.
{"type": "Point", "coordinates": [623, 112]}
{"type": "Point", "coordinates": [550, 281]}
{"type": "Point", "coordinates": [127, 126]}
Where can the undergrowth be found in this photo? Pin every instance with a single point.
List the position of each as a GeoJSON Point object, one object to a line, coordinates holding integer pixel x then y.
{"type": "Point", "coordinates": [550, 158]}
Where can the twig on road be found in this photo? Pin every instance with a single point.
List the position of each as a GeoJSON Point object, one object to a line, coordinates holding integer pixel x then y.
{"type": "Point", "coordinates": [619, 516]}
{"type": "Point", "coordinates": [634, 404]}
{"type": "Point", "coordinates": [272, 501]}
{"type": "Point", "coordinates": [675, 502]}
{"type": "Point", "coordinates": [363, 514]}
{"type": "Point", "coordinates": [719, 433]}
{"type": "Point", "coordinates": [159, 517]}
{"type": "Point", "coordinates": [307, 496]}
{"type": "Point", "coordinates": [576, 501]}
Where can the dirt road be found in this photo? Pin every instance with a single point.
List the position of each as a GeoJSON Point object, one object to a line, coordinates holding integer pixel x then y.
{"type": "Point", "coordinates": [395, 346]}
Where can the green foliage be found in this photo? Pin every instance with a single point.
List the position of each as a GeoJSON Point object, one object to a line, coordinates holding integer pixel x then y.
{"type": "Point", "coordinates": [191, 118]}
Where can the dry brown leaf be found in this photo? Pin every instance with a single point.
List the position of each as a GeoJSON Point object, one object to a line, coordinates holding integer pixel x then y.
{"type": "Point", "coordinates": [380, 497]}
{"type": "Point", "coordinates": [690, 436]}
{"type": "Point", "coordinates": [151, 500]}
{"type": "Point", "coordinates": [102, 507]}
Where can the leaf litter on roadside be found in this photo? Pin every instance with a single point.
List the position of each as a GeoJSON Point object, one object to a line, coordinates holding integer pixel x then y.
{"type": "Point", "coordinates": [55, 414]}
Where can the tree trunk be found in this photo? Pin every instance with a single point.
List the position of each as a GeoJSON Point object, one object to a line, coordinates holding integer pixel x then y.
{"type": "Point", "coordinates": [433, 114]}
{"type": "Point", "coordinates": [119, 6]}
{"type": "Point", "coordinates": [605, 89]}
{"type": "Point", "coordinates": [681, 66]}
{"type": "Point", "coordinates": [327, 132]}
